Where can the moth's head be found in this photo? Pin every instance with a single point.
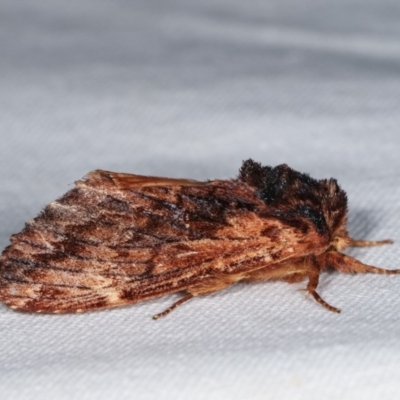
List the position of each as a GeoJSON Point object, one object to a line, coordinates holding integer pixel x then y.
{"type": "Point", "coordinates": [335, 210]}
{"type": "Point", "coordinates": [294, 195]}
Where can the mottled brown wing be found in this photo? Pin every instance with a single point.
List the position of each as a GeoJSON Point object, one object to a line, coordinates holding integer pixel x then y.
{"type": "Point", "coordinates": [117, 239]}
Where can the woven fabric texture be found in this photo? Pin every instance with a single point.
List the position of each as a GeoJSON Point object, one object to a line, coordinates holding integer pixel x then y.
{"type": "Point", "coordinates": [190, 89]}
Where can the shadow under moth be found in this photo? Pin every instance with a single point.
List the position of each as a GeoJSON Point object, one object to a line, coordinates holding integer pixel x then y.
{"type": "Point", "coordinates": [117, 239]}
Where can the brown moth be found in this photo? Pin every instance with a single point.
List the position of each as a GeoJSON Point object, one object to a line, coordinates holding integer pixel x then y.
{"type": "Point", "coordinates": [117, 239]}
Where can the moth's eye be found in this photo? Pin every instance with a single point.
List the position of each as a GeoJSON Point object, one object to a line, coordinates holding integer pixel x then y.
{"type": "Point", "coordinates": [339, 242]}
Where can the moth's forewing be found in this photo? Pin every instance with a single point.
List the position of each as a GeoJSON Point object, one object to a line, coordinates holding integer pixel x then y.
{"type": "Point", "coordinates": [116, 239]}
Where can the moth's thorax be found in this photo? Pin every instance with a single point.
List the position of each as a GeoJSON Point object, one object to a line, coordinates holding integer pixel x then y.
{"type": "Point", "coordinates": [298, 197]}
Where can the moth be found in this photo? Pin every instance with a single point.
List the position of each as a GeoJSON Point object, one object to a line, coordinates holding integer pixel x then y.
{"type": "Point", "coordinates": [117, 239]}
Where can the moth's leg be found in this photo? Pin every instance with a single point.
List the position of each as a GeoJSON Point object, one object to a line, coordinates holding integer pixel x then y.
{"type": "Point", "coordinates": [173, 306]}
{"type": "Point", "coordinates": [313, 276]}
{"type": "Point", "coordinates": [208, 286]}
{"type": "Point", "coordinates": [369, 243]}
{"type": "Point", "coordinates": [346, 264]}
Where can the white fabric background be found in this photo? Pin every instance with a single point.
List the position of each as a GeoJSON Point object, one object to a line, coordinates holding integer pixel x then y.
{"type": "Point", "coordinates": [191, 89]}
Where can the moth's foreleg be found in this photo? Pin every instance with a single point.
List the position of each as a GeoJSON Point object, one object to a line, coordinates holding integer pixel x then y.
{"type": "Point", "coordinates": [173, 306]}
{"type": "Point", "coordinates": [369, 243]}
{"type": "Point", "coordinates": [346, 264]}
{"type": "Point", "coordinates": [313, 276]}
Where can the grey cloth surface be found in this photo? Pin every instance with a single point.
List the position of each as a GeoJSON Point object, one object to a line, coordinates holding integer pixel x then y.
{"type": "Point", "coordinates": [190, 89]}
